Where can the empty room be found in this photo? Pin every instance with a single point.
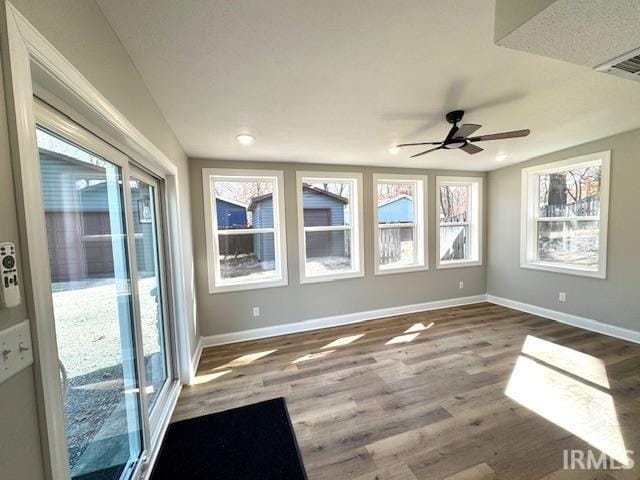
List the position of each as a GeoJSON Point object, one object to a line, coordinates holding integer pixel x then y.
{"type": "Point", "coordinates": [319, 240]}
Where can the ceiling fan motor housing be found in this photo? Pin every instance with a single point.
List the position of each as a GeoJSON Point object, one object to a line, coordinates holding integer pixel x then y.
{"type": "Point", "coordinates": [455, 116]}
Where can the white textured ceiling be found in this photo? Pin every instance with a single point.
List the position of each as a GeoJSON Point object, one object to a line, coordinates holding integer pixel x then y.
{"type": "Point", "coordinates": [585, 32]}
{"type": "Point", "coordinates": [337, 81]}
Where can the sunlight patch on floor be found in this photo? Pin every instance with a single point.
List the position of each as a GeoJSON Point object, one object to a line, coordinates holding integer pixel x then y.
{"type": "Point", "coordinates": [200, 379]}
{"type": "Point", "coordinates": [418, 327]}
{"type": "Point", "coordinates": [403, 338]}
{"type": "Point", "coordinates": [340, 342]}
{"type": "Point", "coordinates": [246, 359]}
{"type": "Point", "coordinates": [313, 356]}
{"type": "Point", "coordinates": [579, 408]}
{"type": "Point", "coordinates": [577, 363]}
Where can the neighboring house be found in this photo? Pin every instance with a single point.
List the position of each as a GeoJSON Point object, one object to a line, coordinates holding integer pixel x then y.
{"type": "Point", "coordinates": [321, 208]}
{"type": "Point", "coordinates": [75, 202]}
{"type": "Point", "coordinates": [231, 214]}
{"type": "Point", "coordinates": [396, 210]}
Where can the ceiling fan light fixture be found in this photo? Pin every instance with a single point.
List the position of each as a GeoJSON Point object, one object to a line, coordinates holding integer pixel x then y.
{"type": "Point", "coordinates": [394, 150]}
{"type": "Point", "coordinates": [245, 139]}
{"type": "Point", "coordinates": [502, 157]}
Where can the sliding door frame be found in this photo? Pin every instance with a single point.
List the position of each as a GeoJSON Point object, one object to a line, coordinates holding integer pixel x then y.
{"type": "Point", "coordinates": [155, 417]}
{"type": "Point", "coordinates": [56, 123]}
{"type": "Point", "coordinates": [25, 53]}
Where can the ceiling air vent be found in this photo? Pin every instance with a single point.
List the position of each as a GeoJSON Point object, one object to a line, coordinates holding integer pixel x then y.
{"type": "Point", "coordinates": [626, 66]}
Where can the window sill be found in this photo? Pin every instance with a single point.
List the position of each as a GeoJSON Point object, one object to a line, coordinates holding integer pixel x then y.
{"type": "Point", "coordinates": [555, 268]}
{"type": "Point", "coordinates": [407, 269]}
{"type": "Point", "coordinates": [248, 286]}
{"type": "Point", "coordinates": [459, 264]}
{"type": "Point", "coordinates": [330, 277]}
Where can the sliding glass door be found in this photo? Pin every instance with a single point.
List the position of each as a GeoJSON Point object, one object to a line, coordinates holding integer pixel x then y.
{"type": "Point", "coordinates": [150, 282]}
{"type": "Point", "coordinates": [104, 232]}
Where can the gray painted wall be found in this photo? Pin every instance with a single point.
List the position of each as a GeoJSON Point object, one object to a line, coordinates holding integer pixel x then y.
{"type": "Point", "coordinates": [78, 29]}
{"type": "Point", "coordinates": [230, 312]}
{"type": "Point", "coordinates": [614, 300]}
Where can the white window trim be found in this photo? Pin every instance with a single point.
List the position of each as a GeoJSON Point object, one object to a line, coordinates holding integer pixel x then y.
{"type": "Point", "coordinates": [529, 205]}
{"type": "Point", "coordinates": [421, 220]}
{"type": "Point", "coordinates": [216, 284]}
{"type": "Point", "coordinates": [476, 223]}
{"type": "Point", "coordinates": [356, 228]}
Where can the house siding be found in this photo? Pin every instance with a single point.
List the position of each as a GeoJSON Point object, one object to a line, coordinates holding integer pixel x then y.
{"type": "Point", "coordinates": [325, 243]}
{"type": "Point", "coordinates": [78, 214]}
{"type": "Point", "coordinates": [230, 215]}
{"type": "Point", "coordinates": [263, 244]}
{"type": "Point", "coordinates": [396, 211]}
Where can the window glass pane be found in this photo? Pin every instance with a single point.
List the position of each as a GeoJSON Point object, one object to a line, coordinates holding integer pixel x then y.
{"type": "Point", "coordinates": [454, 203]}
{"type": "Point", "coordinates": [247, 257]}
{"type": "Point", "coordinates": [572, 242]}
{"type": "Point", "coordinates": [244, 203]}
{"type": "Point", "coordinates": [396, 202]}
{"type": "Point", "coordinates": [326, 204]}
{"type": "Point", "coordinates": [573, 192]}
{"type": "Point", "coordinates": [143, 199]}
{"type": "Point", "coordinates": [83, 205]}
{"type": "Point", "coordinates": [328, 252]}
{"type": "Point", "coordinates": [396, 246]}
{"type": "Point", "coordinates": [454, 242]}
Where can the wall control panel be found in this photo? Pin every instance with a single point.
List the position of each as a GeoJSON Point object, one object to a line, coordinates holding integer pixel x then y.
{"type": "Point", "coordinates": [9, 286]}
{"type": "Point", "coordinates": [15, 350]}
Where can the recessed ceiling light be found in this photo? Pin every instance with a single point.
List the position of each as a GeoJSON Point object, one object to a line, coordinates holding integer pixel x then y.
{"type": "Point", "coordinates": [501, 157]}
{"type": "Point", "coordinates": [245, 139]}
{"type": "Point", "coordinates": [394, 150]}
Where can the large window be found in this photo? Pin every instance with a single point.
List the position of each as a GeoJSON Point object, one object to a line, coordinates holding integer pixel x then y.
{"type": "Point", "coordinates": [460, 221]}
{"type": "Point", "coordinates": [399, 222]}
{"type": "Point", "coordinates": [244, 217]}
{"type": "Point", "coordinates": [330, 230]}
{"type": "Point", "coordinates": [564, 215]}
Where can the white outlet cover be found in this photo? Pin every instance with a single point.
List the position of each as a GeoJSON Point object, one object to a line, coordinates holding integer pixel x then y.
{"type": "Point", "coordinates": [16, 351]}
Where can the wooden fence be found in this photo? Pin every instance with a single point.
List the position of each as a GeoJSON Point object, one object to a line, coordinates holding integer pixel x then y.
{"type": "Point", "coordinates": [589, 206]}
{"type": "Point", "coordinates": [234, 245]}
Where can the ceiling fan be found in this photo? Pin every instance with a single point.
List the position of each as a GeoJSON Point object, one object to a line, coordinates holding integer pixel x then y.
{"type": "Point", "coordinates": [458, 137]}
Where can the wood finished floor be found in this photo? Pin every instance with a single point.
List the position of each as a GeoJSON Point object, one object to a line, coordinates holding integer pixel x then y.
{"type": "Point", "coordinates": [436, 407]}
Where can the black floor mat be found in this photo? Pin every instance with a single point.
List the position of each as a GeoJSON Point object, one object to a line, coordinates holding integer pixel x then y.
{"type": "Point", "coordinates": [247, 443]}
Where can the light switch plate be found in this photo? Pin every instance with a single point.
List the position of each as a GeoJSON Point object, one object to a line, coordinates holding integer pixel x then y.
{"type": "Point", "coordinates": [16, 351]}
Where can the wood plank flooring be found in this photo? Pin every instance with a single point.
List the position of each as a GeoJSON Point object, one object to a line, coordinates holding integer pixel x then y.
{"type": "Point", "coordinates": [479, 392]}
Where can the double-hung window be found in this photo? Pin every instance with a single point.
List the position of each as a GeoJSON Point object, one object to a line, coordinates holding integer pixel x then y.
{"type": "Point", "coordinates": [564, 215]}
{"type": "Point", "coordinates": [399, 223]}
{"type": "Point", "coordinates": [459, 239]}
{"type": "Point", "coordinates": [245, 229]}
{"type": "Point", "coordinates": [330, 225]}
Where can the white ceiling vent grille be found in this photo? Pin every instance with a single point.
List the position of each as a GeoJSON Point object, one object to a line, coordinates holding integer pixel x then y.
{"type": "Point", "coordinates": [626, 66]}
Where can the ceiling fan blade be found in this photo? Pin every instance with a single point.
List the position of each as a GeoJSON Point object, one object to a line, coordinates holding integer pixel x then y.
{"type": "Point", "coordinates": [426, 151]}
{"type": "Point", "coordinates": [423, 143]}
{"type": "Point", "coordinates": [499, 136]}
{"type": "Point", "coordinates": [451, 133]}
{"type": "Point", "coordinates": [471, 149]}
{"type": "Point", "coordinates": [467, 129]}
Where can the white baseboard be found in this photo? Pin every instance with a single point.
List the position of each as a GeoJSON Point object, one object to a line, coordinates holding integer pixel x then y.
{"type": "Point", "coordinates": [337, 320]}
{"type": "Point", "coordinates": [569, 319]}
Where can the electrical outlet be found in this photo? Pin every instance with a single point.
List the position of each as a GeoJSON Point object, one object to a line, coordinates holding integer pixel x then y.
{"type": "Point", "coordinates": [256, 311]}
{"type": "Point", "coordinates": [562, 296]}
{"type": "Point", "coordinates": [461, 285]}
